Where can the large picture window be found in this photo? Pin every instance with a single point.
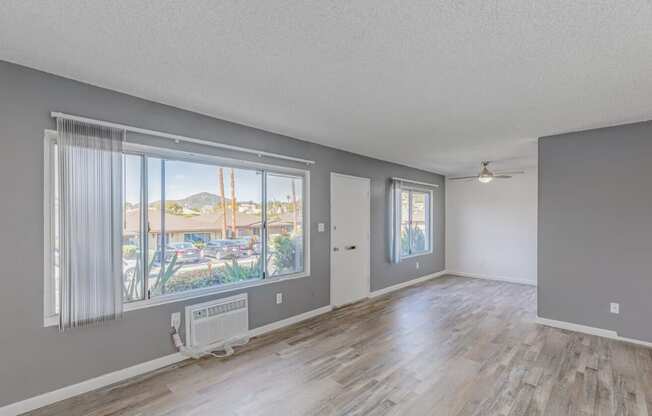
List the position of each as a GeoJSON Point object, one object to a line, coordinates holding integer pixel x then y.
{"type": "Point", "coordinates": [193, 224]}
{"type": "Point", "coordinates": [416, 220]}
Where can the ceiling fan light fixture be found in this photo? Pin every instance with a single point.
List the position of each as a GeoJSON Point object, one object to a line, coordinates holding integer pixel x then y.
{"type": "Point", "coordinates": [485, 175]}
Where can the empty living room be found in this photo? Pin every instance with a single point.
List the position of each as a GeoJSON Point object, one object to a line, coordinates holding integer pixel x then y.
{"type": "Point", "coordinates": [314, 208]}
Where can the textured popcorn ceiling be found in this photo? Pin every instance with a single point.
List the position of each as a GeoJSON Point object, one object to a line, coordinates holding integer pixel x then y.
{"type": "Point", "coordinates": [433, 84]}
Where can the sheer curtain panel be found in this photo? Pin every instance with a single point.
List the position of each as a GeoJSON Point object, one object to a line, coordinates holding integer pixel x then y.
{"type": "Point", "coordinates": [90, 218]}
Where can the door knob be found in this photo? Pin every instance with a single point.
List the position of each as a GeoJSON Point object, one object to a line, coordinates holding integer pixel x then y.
{"type": "Point", "coordinates": [349, 248]}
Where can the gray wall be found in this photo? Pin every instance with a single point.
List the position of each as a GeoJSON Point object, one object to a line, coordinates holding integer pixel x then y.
{"type": "Point", "coordinates": [595, 228]}
{"type": "Point", "coordinates": [36, 359]}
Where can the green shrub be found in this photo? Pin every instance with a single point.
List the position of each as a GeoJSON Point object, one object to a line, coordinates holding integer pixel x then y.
{"type": "Point", "coordinates": [200, 278]}
{"type": "Point", "coordinates": [236, 272]}
{"type": "Point", "coordinates": [162, 280]}
{"type": "Point", "coordinates": [418, 239]}
{"type": "Point", "coordinates": [192, 280]}
{"type": "Point", "coordinates": [405, 241]}
{"type": "Point", "coordinates": [284, 252]}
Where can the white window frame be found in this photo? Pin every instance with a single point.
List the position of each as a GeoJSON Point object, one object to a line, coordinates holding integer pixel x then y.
{"type": "Point", "coordinates": [430, 212]}
{"type": "Point", "coordinates": [51, 318]}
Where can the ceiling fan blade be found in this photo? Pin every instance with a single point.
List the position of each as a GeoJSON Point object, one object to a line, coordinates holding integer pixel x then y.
{"type": "Point", "coordinates": [462, 178]}
{"type": "Point", "coordinates": [509, 172]}
{"type": "Point", "coordinates": [502, 176]}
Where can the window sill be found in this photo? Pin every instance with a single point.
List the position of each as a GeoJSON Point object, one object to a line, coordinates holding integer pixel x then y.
{"type": "Point", "coordinates": [425, 253]}
{"type": "Point", "coordinates": [198, 293]}
{"type": "Point", "coordinates": [193, 294]}
{"type": "Point", "coordinates": [51, 321]}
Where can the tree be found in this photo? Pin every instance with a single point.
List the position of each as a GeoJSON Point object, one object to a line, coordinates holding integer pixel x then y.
{"type": "Point", "coordinates": [222, 202]}
{"type": "Point", "coordinates": [284, 253]}
{"type": "Point", "coordinates": [234, 205]}
{"type": "Point", "coordinates": [173, 208]}
{"type": "Point", "coordinates": [294, 208]}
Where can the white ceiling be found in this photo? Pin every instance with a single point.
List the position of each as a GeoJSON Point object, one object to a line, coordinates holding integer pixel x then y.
{"type": "Point", "coordinates": [433, 84]}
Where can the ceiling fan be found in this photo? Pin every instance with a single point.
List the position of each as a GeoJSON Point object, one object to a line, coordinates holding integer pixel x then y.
{"type": "Point", "coordinates": [486, 176]}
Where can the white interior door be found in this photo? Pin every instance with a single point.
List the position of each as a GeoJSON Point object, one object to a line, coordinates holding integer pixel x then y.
{"type": "Point", "coordinates": [350, 226]}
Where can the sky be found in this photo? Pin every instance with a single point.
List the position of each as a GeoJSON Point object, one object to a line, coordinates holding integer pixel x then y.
{"type": "Point", "coordinates": [183, 179]}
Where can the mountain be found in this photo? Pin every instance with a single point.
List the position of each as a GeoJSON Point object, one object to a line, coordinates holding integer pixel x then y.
{"type": "Point", "coordinates": [200, 200]}
{"type": "Point", "coordinates": [195, 201]}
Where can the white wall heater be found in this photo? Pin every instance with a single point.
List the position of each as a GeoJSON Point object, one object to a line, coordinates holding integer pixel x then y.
{"type": "Point", "coordinates": [214, 322]}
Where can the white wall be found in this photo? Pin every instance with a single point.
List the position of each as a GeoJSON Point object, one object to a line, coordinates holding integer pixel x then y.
{"type": "Point", "coordinates": [491, 229]}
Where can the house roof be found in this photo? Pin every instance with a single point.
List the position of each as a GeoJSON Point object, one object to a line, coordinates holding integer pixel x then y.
{"type": "Point", "coordinates": [177, 223]}
{"type": "Point", "coordinates": [202, 222]}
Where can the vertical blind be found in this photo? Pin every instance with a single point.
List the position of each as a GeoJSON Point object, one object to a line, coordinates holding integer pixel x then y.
{"type": "Point", "coordinates": [90, 218]}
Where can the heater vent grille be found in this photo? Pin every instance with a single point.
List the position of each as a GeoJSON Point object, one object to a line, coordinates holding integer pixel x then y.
{"type": "Point", "coordinates": [216, 321]}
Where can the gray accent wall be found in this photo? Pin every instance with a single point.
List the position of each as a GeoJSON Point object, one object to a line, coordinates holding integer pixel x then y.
{"type": "Point", "coordinates": [595, 228]}
{"type": "Point", "coordinates": [35, 359]}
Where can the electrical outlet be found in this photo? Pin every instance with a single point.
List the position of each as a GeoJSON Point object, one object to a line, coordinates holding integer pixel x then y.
{"type": "Point", "coordinates": [279, 298]}
{"type": "Point", "coordinates": [321, 227]}
{"type": "Point", "coordinates": [175, 320]}
{"type": "Point", "coordinates": [614, 307]}
{"type": "Point", "coordinates": [417, 265]}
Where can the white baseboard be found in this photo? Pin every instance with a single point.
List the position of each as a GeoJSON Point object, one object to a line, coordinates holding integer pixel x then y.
{"type": "Point", "coordinates": [136, 370]}
{"type": "Point", "coordinates": [89, 385]}
{"type": "Point", "coordinates": [605, 333]}
{"type": "Point", "coordinates": [393, 288]}
{"type": "Point", "coordinates": [289, 321]}
{"type": "Point", "coordinates": [520, 281]}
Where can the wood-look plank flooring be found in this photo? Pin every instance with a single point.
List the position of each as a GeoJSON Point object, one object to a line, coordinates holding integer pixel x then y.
{"type": "Point", "coordinates": [452, 346]}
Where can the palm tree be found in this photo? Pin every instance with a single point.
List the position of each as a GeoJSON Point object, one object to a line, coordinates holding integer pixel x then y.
{"type": "Point", "coordinates": [222, 202]}
{"type": "Point", "coordinates": [234, 204]}
{"type": "Point", "coordinates": [294, 208]}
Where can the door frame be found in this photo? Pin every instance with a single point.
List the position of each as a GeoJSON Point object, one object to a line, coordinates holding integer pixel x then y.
{"type": "Point", "coordinates": [368, 245]}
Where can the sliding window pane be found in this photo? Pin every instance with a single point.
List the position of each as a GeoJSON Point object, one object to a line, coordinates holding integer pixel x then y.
{"type": "Point", "coordinates": [405, 223]}
{"type": "Point", "coordinates": [132, 270]}
{"type": "Point", "coordinates": [154, 239]}
{"type": "Point", "coordinates": [212, 222]}
{"type": "Point", "coordinates": [284, 224]}
{"type": "Point", "coordinates": [420, 229]}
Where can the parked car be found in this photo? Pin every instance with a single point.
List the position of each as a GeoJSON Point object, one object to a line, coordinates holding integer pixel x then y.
{"type": "Point", "coordinates": [186, 253]}
{"type": "Point", "coordinates": [222, 249]}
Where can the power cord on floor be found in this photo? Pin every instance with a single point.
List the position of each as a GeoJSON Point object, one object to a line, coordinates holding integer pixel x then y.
{"type": "Point", "coordinates": [227, 346]}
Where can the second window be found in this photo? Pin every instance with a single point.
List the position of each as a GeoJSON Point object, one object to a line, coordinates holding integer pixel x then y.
{"type": "Point", "coordinates": [415, 222]}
